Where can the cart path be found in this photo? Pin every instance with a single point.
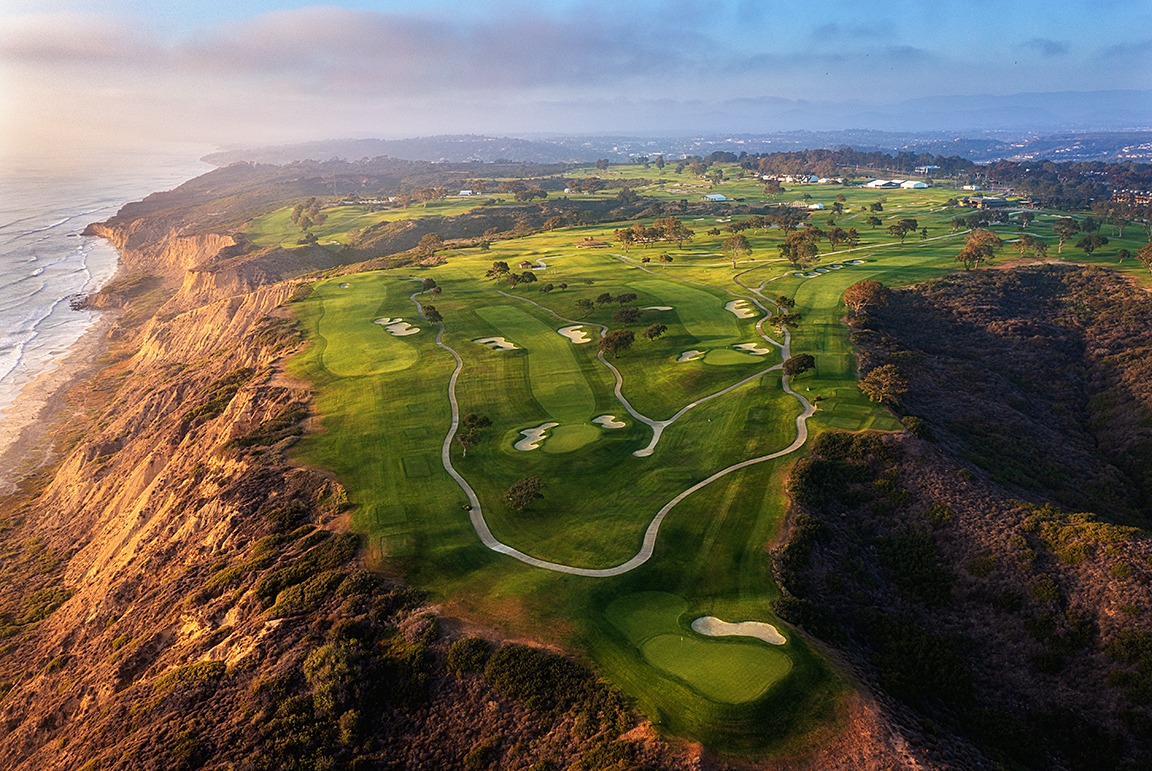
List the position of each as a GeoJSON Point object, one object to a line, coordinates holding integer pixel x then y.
{"type": "Point", "coordinates": [648, 546]}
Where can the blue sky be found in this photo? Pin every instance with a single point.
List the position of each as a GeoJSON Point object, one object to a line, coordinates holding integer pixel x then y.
{"type": "Point", "coordinates": [99, 71]}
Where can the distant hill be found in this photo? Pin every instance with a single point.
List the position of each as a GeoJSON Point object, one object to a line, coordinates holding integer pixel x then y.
{"type": "Point", "coordinates": [453, 148]}
{"type": "Point", "coordinates": [982, 147]}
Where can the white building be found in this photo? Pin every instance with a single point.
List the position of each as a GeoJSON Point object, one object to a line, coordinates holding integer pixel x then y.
{"type": "Point", "coordinates": [913, 184]}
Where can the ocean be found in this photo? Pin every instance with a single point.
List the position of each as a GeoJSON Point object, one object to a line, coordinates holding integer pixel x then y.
{"type": "Point", "coordinates": [45, 262]}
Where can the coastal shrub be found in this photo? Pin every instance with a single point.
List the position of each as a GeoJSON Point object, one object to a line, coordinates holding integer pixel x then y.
{"type": "Point", "coordinates": [42, 603]}
{"type": "Point", "coordinates": [334, 552]}
{"type": "Point", "coordinates": [218, 396]}
{"type": "Point", "coordinates": [468, 655]}
{"type": "Point", "coordinates": [913, 562]}
{"type": "Point", "coordinates": [305, 597]}
{"type": "Point", "coordinates": [483, 754]}
{"type": "Point", "coordinates": [283, 425]}
{"type": "Point", "coordinates": [200, 674]}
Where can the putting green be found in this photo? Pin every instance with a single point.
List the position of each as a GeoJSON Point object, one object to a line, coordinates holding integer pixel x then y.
{"type": "Point", "coordinates": [726, 357]}
{"type": "Point", "coordinates": [728, 672]}
{"type": "Point", "coordinates": [566, 438]}
{"type": "Point", "coordinates": [363, 348]}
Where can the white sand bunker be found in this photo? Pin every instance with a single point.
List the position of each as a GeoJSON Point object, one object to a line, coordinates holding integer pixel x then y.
{"type": "Point", "coordinates": [741, 309]}
{"type": "Point", "coordinates": [497, 343]}
{"type": "Point", "coordinates": [576, 334]}
{"type": "Point", "coordinates": [609, 421]}
{"type": "Point", "coordinates": [397, 327]}
{"type": "Point", "coordinates": [714, 627]}
{"type": "Point", "coordinates": [533, 437]}
{"type": "Point", "coordinates": [854, 262]}
{"type": "Point", "coordinates": [657, 308]}
{"type": "Point", "coordinates": [344, 285]}
{"type": "Point", "coordinates": [835, 266]}
{"type": "Point", "coordinates": [756, 349]}
{"type": "Point", "coordinates": [689, 356]}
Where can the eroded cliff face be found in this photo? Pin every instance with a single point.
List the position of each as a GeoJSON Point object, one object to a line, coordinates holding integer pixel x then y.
{"type": "Point", "coordinates": [174, 594]}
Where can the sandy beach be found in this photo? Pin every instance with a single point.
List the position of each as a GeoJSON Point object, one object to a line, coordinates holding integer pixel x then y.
{"type": "Point", "coordinates": [26, 426]}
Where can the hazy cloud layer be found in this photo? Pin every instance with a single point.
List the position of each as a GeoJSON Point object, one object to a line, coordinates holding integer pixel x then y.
{"type": "Point", "coordinates": [93, 71]}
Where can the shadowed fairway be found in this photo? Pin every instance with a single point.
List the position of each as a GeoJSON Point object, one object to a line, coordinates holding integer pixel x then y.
{"type": "Point", "coordinates": [385, 414]}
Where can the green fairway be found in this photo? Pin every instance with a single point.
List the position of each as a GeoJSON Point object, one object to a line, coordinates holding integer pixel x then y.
{"type": "Point", "coordinates": [385, 415]}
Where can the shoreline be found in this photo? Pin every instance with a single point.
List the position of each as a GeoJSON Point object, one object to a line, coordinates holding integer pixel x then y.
{"type": "Point", "coordinates": [27, 441]}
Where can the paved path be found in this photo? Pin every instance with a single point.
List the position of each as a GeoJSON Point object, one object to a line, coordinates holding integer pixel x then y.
{"type": "Point", "coordinates": [648, 546]}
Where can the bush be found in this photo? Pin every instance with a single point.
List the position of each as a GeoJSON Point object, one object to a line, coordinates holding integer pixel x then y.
{"type": "Point", "coordinates": [468, 655]}
{"type": "Point", "coordinates": [198, 675]}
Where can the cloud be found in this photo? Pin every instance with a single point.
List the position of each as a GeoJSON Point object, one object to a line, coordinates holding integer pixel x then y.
{"type": "Point", "coordinates": [1046, 47]}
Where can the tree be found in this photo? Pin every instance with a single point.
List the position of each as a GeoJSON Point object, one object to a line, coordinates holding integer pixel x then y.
{"type": "Point", "coordinates": [616, 341]}
{"type": "Point", "coordinates": [654, 332]}
{"type": "Point", "coordinates": [801, 362]}
{"type": "Point", "coordinates": [884, 384]}
{"type": "Point", "coordinates": [432, 314]}
{"type": "Point", "coordinates": [1145, 256]}
{"type": "Point", "coordinates": [471, 427]}
{"type": "Point", "coordinates": [498, 269]}
{"type": "Point", "coordinates": [875, 222]}
{"type": "Point", "coordinates": [625, 236]}
{"type": "Point", "coordinates": [1091, 243]}
{"type": "Point", "coordinates": [784, 320]}
{"type": "Point", "coordinates": [625, 297]}
{"type": "Point", "coordinates": [1122, 255]}
{"type": "Point", "coordinates": [980, 246]}
{"type": "Point", "coordinates": [659, 162]}
{"type": "Point", "coordinates": [799, 247]}
{"type": "Point", "coordinates": [521, 494]}
{"type": "Point", "coordinates": [665, 259]}
{"type": "Point", "coordinates": [585, 306]}
{"type": "Point", "coordinates": [863, 294]}
{"type": "Point", "coordinates": [527, 277]}
{"type": "Point", "coordinates": [1026, 219]}
{"type": "Point", "coordinates": [1064, 228]}
{"type": "Point", "coordinates": [604, 298]}
{"type": "Point", "coordinates": [1090, 225]}
{"type": "Point", "coordinates": [429, 244]}
{"type": "Point", "coordinates": [1029, 244]}
{"type": "Point", "coordinates": [428, 284]}
{"type": "Point", "coordinates": [784, 301]}
{"type": "Point", "coordinates": [736, 247]}
{"type": "Point", "coordinates": [627, 315]}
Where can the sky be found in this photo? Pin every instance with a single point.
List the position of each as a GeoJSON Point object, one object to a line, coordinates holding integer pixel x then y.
{"type": "Point", "coordinates": [81, 76]}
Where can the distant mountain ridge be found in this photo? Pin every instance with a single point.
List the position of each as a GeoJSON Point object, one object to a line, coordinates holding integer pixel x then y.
{"type": "Point", "coordinates": [983, 147]}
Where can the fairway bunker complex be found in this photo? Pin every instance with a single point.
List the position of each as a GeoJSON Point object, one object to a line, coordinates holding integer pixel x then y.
{"type": "Point", "coordinates": [714, 627]}
{"type": "Point", "coordinates": [534, 437]}
{"type": "Point", "coordinates": [577, 334]}
{"type": "Point", "coordinates": [497, 343]}
{"type": "Point", "coordinates": [741, 309]}
{"type": "Point", "coordinates": [397, 327]}
{"type": "Point", "coordinates": [608, 421]}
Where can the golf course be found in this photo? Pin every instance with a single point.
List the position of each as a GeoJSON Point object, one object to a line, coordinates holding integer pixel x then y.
{"type": "Point", "coordinates": [654, 471]}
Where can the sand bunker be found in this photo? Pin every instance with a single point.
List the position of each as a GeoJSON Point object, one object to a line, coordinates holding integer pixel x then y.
{"type": "Point", "coordinates": [397, 327]}
{"type": "Point", "coordinates": [854, 262]}
{"type": "Point", "coordinates": [576, 334]}
{"type": "Point", "coordinates": [811, 275]}
{"type": "Point", "coordinates": [533, 437]}
{"type": "Point", "coordinates": [690, 356]}
{"type": "Point", "coordinates": [657, 308]}
{"type": "Point", "coordinates": [497, 343]}
{"type": "Point", "coordinates": [800, 275]}
{"type": "Point", "coordinates": [741, 309]}
{"type": "Point", "coordinates": [835, 266]}
{"type": "Point", "coordinates": [820, 270]}
{"type": "Point", "coordinates": [714, 627]}
{"type": "Point", "coordinates": [609, 421]}
{"type": "Point", "coordinates": [756, 349]}
{"type": "Point", "coordinates": [344, 285]}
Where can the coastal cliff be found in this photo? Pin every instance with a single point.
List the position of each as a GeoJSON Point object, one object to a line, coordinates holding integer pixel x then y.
{"type": "Point", "coordinates": [176, 594]}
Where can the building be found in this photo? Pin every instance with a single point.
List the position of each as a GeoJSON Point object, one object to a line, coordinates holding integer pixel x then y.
{"type": "Point", "coordinates": [816, 206]}
{"type": "Point", "coordinates": [885, 184]}
{"type": "Point", "coordinates": [716, 198]}
{"type": "Point", "coordinates": [927, 171]}
{"type": "Point", "coordinates": [466, 193]}
{"type": "Point", "coordinates": [914, 184]}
